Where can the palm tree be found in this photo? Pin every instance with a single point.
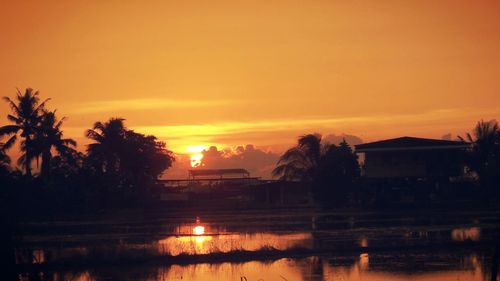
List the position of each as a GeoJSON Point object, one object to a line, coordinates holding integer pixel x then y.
{"type": "Point", "coordinates": [329, 170]}
{"type": "Point", "coordinates": [4, 159]}
{"type": "Point", "coordinates": [300, 162]}
{"type": "Point", "coordinates": [109, 140]}
{"type": "Point", "coordinates": [26, 116]}
{"type": "Point", "coordinates": [484, 158]}
{"type": "Point", "coordinates": [49, 136]}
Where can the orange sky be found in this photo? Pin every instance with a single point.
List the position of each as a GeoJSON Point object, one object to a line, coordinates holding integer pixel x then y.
{"type": "Point", "coordinates": [261, 72]}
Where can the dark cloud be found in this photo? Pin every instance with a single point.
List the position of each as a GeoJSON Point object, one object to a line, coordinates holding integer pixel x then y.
{"type": "Point", "coordinates": [258, 162]}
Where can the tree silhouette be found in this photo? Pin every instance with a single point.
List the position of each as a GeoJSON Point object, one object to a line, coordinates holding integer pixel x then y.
{"type": "Point", "coordinates": [26, 115]}
{"type": "Point", "coordinates": [145, 158]}
{"type": "Point", "coordinates": [484, 156]}
{"type": "Point", "coordinates": [130, 157]}
{"type": "Point", "coordinates": [336, 174]}
{"type": "Point", "coordinates": [330, 170]}
{"type": "Point", "coordinates": [299, 163]}
{"type": "Point", "coordinates": [48, 136]}
{"type": "Point", "coordinates": [109, 144]}
{"type": "Point", "coordinates": [4, 160]}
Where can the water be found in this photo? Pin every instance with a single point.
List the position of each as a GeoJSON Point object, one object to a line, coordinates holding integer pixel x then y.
{"type": "Point", "coordinates": [316, 245]}
{"type": "Point", "coordinates": [362, 268]}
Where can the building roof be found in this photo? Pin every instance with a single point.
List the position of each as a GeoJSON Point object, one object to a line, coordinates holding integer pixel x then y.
{"type": "Point", "coordinates": [410, 143]}
{"type": "Point", "coordinates": [216, 172]}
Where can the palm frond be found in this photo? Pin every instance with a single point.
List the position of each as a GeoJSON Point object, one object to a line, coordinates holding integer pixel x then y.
{"type": "Point", "coordinates": [69, 142]}
{"type": "Point", "coordinates": [12, 105]}
{"type": "Point", "coordinates": [92, 134]}
{"type": "Point", "coordinates": [14, 119]}
{"type": "Point", "coordinates": [9, 129]}
{"type": "Point", "coordinates": [41, 106]}
{"type": "Point", "coordinates": [9, 143]}
{"type": "Point", "coordinates": [21, 161]}
{"type": "Point", "coordinates": [99, 126]}
{"type": "Point", "coordinates": [293, 153]}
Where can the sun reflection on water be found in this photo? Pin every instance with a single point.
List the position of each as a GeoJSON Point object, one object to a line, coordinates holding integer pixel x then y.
{"type": "Point", "coordinates": [199, 230]}
{"type": "Point", "coordinates": [203, 238]}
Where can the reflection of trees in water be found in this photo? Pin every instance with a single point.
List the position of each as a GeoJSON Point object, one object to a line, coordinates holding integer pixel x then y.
{"type": "Point", "coordinates": [347, 267]}
{"type": "Point", "coordinates": [409, 263]}
{"type": "Point", "coordinates": [311, 268]}
{"type": "Point", "coordinates": [489, 262]}
{"type": "Point", "coordinates": [139, 273]}
{"type": "Point", "coordinates": [54, 276]}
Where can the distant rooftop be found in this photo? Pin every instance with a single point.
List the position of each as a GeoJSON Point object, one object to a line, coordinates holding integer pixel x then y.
{"type": "Point", "coordinates": [410, 143]}
{"type": "Point", "coordinates": [221, 173]}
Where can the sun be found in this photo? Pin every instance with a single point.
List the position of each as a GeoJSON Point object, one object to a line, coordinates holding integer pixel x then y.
{"type": "Point", "coordinates": [195, 159]}
{"type": "Point", "coordinates": [196, 155]}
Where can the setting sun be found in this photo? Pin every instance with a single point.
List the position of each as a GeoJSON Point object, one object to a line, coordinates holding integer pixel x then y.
{"type": "Point", "coordinates": [315, 139]}
{"type": "Point", "coordinates": [196, 155]}
{"type": "Point", "coordinates": [195, 159]}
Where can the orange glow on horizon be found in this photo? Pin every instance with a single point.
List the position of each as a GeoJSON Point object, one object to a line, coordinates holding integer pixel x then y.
{"type": "Point", "coordinates": [259, 73]}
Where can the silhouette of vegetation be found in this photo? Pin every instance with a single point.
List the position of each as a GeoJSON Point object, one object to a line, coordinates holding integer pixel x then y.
{"type": "Point", "coordinates": [300, 163]}
{"type": "Point", "coordinates": [4, 161]}
{"type": "Point", "coordinates": [119, 168]}
{"type": "Point", "coordinates": [26, 116]}
{"type": "Point", "coordinates": [49, 136]}
{"type": "Point", "coordinates": [484, 156]}
{"type": "Point", "coordinates": [337, 173]}
{"type": "Point", "coordinates": [126, 158]}
{"type": "Point", "coordinates": [330, 170]}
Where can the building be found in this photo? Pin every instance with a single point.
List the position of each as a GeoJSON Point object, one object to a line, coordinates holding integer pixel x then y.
{"type": "Point", "coordinates": [235, 188]}
{"type": "Point", "coordinates": [218, 174]}
{"type": "Point", "coordinates": [413, 158]}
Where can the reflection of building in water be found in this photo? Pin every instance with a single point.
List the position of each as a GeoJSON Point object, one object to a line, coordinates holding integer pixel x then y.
{"type": "Point", "coordinates": [466, 234]}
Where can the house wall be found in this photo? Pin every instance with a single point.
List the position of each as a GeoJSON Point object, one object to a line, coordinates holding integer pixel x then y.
{"type": "Point", "coordinates": [413, 164]}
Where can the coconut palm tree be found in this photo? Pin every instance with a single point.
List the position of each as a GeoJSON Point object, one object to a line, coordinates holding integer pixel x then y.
{"type": "Point", "coordinates": [26, 115]}
{"type": "Point", "coordinates": [328, 169]}
{"type": "Point", "coordinates": [484, 157]}
{"type": "Point", "coordinates": [299, 163]}
{"type": "Point", "coordinates": [49, 136]}
{"type": "Point", "coordinates": [4, 160]}
{"type": "Point", "coordinates": [109, 140]}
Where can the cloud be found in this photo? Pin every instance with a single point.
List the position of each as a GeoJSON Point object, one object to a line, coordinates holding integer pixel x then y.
{"type": "Point", "coordinates": [370, 127]}
{"type": "Point", "coordinates": [258, 162]}
{"type": "Point", "coordinates": [147, 104]}
{"type": "Point", "coordinates": [282, 133]}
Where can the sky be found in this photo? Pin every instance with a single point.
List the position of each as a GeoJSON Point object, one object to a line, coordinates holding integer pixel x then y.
{"type": "Point", "coordinates": [232, 73]}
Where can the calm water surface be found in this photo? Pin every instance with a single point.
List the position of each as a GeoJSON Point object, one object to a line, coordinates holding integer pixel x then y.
{"type": "Point", "coordinates": [361, 268]}
{"type": "Point", "coordinates": [368, 247]}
